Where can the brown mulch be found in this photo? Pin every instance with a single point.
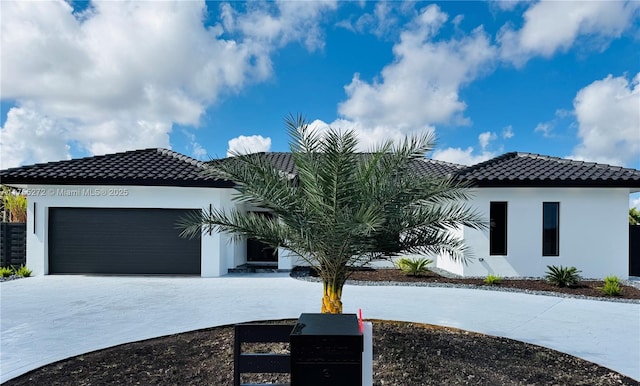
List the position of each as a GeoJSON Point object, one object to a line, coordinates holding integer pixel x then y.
{"type": "Point", "coordinates": [592, 288]}
{"type": "Point", "coordinates": [404, 353]}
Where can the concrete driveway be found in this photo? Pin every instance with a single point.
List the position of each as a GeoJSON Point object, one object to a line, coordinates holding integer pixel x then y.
{"type": "Point", "coordinates": [49, 318]}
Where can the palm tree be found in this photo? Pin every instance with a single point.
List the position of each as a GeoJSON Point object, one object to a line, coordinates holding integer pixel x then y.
{"type": "Point", "coordinates": [342, 207]}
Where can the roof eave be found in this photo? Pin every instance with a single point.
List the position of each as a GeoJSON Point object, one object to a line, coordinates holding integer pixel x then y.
{"type": "Point", "coordinates": [119, 182]}
{"type": "Point", "coordinates": [555, 184]}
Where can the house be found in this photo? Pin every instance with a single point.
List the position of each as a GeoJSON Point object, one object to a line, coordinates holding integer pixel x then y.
{"type": "Point", "coordinates": [117, 213]}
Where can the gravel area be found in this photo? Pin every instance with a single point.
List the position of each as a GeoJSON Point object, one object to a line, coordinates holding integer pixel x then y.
{"type": "Point", "coordinates": [587, 289]}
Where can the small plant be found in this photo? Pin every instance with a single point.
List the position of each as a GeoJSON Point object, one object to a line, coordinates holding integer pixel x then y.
{"type": "Point", "coordinates": [22, 271]}
{"type": "Point", "coordinates": [6, 271]}
{"type": "Point", "coordinates": [563, 276]}
{"type": "Point", "coordinates": [414, 267]}
{"type": "Point", "coordinates": [492, 279]}
{"type": "Point", "coordinates": [612, 286]}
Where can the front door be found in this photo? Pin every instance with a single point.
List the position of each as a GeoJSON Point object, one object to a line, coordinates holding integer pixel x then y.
{"type": "Point", "coordinates": [259, 252]}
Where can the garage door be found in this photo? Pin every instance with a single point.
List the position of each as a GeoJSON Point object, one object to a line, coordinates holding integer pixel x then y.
{"type": "Point", "coordinates": [120, 241]}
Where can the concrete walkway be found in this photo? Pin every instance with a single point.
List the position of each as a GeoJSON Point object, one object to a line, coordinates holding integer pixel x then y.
{"type": "Point", "coordinates": [46, 319]}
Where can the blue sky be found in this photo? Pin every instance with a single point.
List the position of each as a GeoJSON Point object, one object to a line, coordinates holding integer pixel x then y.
{"type": "Point", "coordinates": [489, 77]}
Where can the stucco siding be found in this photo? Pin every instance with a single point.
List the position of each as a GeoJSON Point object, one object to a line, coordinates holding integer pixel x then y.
{"type": "Point", "coordinates": [593, 232]}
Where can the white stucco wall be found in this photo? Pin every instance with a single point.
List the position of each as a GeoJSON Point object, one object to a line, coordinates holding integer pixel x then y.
{"type": "Point", "coordinates": [218, 251]}
{"type": "Point", "coordinates": [593, 227]}
{"type": "Point", "coordinates": [594, 234]}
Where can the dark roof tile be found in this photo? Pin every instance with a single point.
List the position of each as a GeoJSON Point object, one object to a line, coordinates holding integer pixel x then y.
{"type": "Point", "coordinates": [154, 167]}
{"type": "Point", "coordinates": [534, 170]}
{"type": "Point", "coordinates": [164, 167]}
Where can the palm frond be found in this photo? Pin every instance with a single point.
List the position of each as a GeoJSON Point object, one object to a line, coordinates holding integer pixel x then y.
{"type": "Point", "coordinates": [343, 206]}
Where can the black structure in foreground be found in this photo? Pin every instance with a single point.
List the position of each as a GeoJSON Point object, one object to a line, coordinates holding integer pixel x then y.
{"type": "Point", "coordinates": [326, 350]}
{"type": "Point", "coordinates": [250, 362]}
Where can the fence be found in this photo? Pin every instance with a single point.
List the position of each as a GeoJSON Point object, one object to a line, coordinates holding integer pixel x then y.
{"type": "Point", "coordinates": [13, 244]}
{"type": "Point", "coordinates": [634, 250]}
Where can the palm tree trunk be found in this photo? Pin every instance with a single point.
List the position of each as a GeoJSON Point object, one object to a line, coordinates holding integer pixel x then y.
{"type": "Point", "coordinates": [331, 300]}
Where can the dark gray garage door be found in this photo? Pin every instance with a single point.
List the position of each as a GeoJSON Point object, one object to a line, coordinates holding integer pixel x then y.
{"type": "Point", "coordinates": [120, 241]}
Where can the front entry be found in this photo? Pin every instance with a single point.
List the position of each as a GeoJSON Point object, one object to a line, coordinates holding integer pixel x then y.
{"type": "Point", "coordinates": [259, 253]}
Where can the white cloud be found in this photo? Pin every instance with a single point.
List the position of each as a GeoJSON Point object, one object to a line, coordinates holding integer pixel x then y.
{"type": "Point", "coordinates": [279, 23]}
{"type": "Point", "coordinates": [545, 128]}
{"type": "Point", "coordinates": [552, 26]}
{"type": "Point", "coordinates": [507, 5]}
{"type": "Point", "coordinates": [461, 156]}
{"type": "Point", "coordinates": [507, 132]}
{"type": "Point", "coordinates": [197, 151]}
{"type": "Point", "coordinates": [421, 86]}
{"type": "Point", "coordinates": [485, 138]}
{"type": "Point", "coordinates": [369, 137]}
{"type": "Point", "coordinates": [384, 22]}
{"type": "Point", "coordinates": [248, 144]}
{"type": "Point", "coordinates": [468, 156]}
{"type": "Point", "coordinates": [30, 138]}
{"type": "Point", "coordinates": [608, 116]}
{"type": "Point", "coordinates": [634, 201]}
{"type": "Point", "coordinates": [121, 74]}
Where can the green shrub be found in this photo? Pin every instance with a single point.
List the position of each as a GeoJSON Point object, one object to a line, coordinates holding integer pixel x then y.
{"type": "Point", "coordinates": [612, 279]}
{"type": "Point", "coordinates": [612, 286]}
{"type": "Point", "coordinates": [413, 267]}
{"type": "Point", "coordinates": [563, 276]}
{"type": "Point", "coordinates": [6, 271]}
{"type": "Point", "coordinates": [493, 279]}
{"type": "Point", "coordinates": [14, 203]}
{"type": "Point", "coordinates": [23, 271]}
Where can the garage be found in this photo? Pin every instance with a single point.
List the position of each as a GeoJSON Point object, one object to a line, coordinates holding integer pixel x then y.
{"type": "Point", "coordinates": [120, 241]}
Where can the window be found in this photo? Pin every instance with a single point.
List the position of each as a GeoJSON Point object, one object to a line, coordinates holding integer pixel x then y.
{"type": "Point", "coordinates": [550, 229]}
{"type": "Point", "coordinates": [498, 228]}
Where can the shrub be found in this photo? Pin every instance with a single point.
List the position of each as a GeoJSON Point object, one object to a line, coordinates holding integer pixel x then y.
{"type": "Point", "coordinates": [23, 271]}
{"type": "Point", "coordinates": [6, 271]}
{"type": "Point", "coordinates": [493, 279]}
{"type": "Point", "coordinates": [414, 267]}
{"type": "Point", "coordinates": [14, 203]}
{"type": "Point", "coordinates": [612, 286]}
{"type": "Point", "coordinates": [563, 276]}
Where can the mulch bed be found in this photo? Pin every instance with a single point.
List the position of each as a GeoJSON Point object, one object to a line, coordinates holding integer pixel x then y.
{"type": "Point", "coordinates": [404, 354]}
{"type": "Point", "coordinates": [591, 288]}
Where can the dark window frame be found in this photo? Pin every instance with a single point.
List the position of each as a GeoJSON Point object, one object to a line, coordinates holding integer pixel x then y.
{"type": "Point", "coordinates": [501, 238]}
{"type": "Point", "coordinates": [551, 236]}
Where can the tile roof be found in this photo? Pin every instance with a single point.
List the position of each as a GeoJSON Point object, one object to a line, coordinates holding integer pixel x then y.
{"type": "Point", "coordinates": [284, 162]}
{"type": "Point", "coordinates": [161, 167]}
{"type": "Point", "coordinates": [534, 170]}
{"type": "Point", "coordinates": [147, 167]}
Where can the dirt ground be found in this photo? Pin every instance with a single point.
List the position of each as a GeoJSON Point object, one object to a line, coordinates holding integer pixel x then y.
{"type": "Point", "coordinates": [404, 354]}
